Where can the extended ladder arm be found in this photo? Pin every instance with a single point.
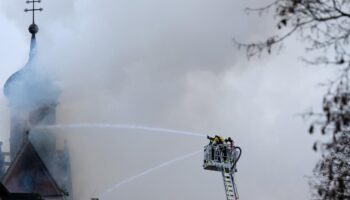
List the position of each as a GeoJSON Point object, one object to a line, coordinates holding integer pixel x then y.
{"type": "Point", "coordinates": [228, 177]}
{"type": "Point", "coordinates": [230, 185]}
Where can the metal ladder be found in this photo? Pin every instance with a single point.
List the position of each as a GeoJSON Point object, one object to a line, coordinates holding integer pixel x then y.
{"type": "Point", "coordinates": [230, 186]}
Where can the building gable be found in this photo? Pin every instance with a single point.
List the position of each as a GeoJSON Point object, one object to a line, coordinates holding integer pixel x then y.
{"type": "Point", "coordinates": [28, 174]}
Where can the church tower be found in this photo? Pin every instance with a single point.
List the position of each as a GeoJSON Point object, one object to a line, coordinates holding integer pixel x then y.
{"type": "Point", "coordinates": [36, 165]}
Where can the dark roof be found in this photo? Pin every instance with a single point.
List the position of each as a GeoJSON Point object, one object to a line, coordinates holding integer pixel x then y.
{"type": "Point", "coordinates": [28, 174]}
{"type": "Point", "coordinates": [6, 195]}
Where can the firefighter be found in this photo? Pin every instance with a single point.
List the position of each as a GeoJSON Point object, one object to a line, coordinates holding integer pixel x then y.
{"type": "Point", "coordinates": [229, 141]}
{"type": "Point", "coordinates": [211, 139]}
{"type": "Point", "coordinates": [227, 148]}
{"type": "Point", "coordinates": [217, 146]}
{"type": "Point", "coordinates": [218, 140]}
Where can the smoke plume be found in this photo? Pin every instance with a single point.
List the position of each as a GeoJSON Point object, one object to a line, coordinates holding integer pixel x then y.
{"type": "Point", "coordinates": [168, 64]}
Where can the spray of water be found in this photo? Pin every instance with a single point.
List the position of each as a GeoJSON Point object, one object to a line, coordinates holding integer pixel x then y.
{"type": "Point", "coordinates": [121, 126]}
{"type": "Point", "coordinates": [146, 172]}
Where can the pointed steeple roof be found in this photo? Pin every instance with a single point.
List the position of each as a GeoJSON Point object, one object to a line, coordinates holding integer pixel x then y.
{"type": "Point", "coordinates": [28, 86]}
{"type": "Point", "coordinates": [28, 174]}
{"type": "Point", "coordinates": [33, 29]}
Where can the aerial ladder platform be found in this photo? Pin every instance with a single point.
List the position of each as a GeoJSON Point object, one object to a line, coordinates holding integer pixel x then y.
{"type": "Point", "coordinates": [222, 155]}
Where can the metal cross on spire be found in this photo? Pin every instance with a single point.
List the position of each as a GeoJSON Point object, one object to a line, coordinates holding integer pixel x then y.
{"type": "Point", "coordinates": [33, 9]}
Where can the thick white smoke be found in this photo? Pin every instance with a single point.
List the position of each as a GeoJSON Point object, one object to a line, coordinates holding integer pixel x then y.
{"type": "Point", "coordinates": [168, 64]}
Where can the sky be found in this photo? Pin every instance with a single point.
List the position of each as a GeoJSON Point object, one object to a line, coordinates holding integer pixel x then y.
{"type": "Point", "coordinates": [169, 64]}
